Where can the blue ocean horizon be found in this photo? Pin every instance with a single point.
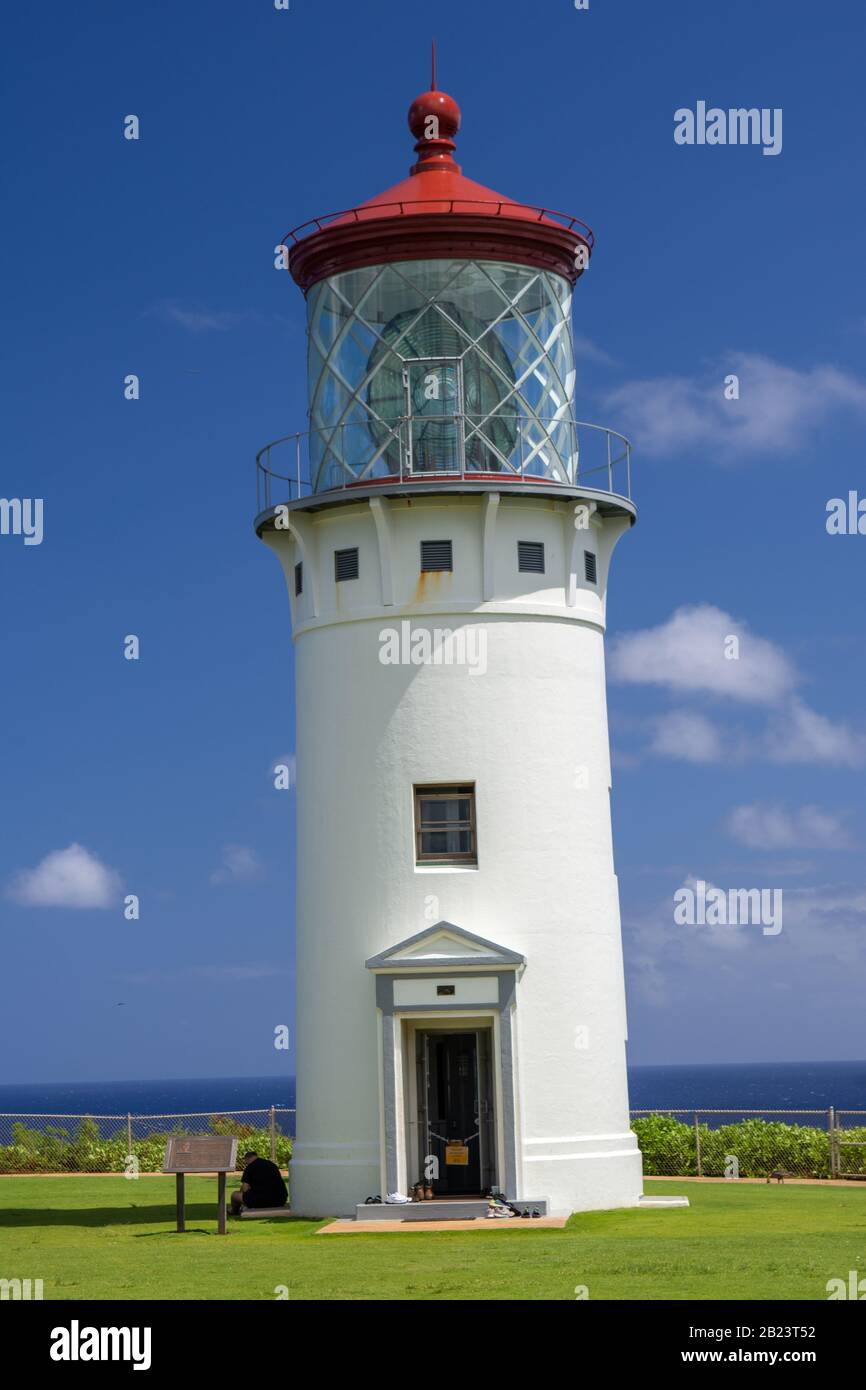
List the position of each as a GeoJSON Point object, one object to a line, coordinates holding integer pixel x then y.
{"type": "Point", "coordinates": [710, 1086]}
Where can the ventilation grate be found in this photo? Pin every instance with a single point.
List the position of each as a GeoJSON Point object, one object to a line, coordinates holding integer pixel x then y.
{"type": "Point", "coordinates": [530, 557]}
{"type": "Point", "coordinates": [436, 555]}
{"type": "Point", "coordinates": [590, 567]}
{"type": "Point", "coordinates": [346, 564]}
{"type": "Point", "coordinates": [299, 578]}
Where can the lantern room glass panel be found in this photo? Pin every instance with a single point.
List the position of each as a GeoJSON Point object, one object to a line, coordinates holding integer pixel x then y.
{"type": "Point", "coordinates": [440, 367]}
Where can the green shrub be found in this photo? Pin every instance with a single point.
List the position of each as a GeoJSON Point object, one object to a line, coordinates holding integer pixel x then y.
{"type": "Point", "coordinates": [760, 1146]}
{"type": "Point", "coordinates": [55, 1150]}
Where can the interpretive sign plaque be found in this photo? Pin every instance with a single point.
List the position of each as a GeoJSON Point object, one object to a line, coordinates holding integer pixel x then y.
{"type": "Point", "coordinates": [212, 1154]}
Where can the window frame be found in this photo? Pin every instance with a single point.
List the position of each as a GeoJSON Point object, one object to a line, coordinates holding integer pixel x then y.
{"type": "Point", "coordinates": [445, 791]}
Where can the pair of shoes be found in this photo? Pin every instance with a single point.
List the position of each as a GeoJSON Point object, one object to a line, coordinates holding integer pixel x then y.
{"type": "Point", "coordinates": [397, 1199]}
{"type": "Point", "coordinates": [372, 1201]}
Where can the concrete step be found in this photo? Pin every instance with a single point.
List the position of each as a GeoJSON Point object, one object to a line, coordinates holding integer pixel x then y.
{"type": "Point", "coordinates": [441, 1209]}
{"type": "Point", "coordinates": [653, 1202]}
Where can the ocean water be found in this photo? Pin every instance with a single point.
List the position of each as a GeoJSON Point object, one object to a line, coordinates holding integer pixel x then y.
{"type": "Point", "coordinates": [734, 1086]}
{"type": "Point", "coordinates": [214, 1096]}
{"type": "Point", "coordinates": [750, 1086]}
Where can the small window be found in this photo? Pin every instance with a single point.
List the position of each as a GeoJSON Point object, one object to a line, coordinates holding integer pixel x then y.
{"type": "Point", "coordinates": [445, 825]}
{"type": "Point", "coordinates": [299, 578]}
{"type": "Point", "coordinates": [590, 567]}
{"type": "Point", "coordinates": [436, 555]}
{"type": "Point", "coordinates": [446, 989]}
{"type": "Point", "coordinates": [530, 557]}
{"type": "Point", "coordinates": [346, 564]}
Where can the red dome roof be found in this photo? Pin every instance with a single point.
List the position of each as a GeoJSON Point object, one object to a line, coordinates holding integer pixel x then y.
{"type": "Point", "coordinates": [436, 213]}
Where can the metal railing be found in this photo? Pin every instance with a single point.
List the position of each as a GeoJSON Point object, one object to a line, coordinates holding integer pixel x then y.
{"type": "Point", "coordinates": [430, 448]}
{"type": "Point", "coordinates": [827, 1143]}
{"type": "Point", "coordinates": [849, 1143]}
{"type": "Point", "coordinates": [705, 1143]}
{"type": "Point", "coordinates": [131, 1144]}
{"type": "Point", "coordinates": [492, 207]}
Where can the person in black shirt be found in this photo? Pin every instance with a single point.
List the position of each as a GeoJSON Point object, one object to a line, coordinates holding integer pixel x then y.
{"type": "Point", "coordinates": [262, 1185]}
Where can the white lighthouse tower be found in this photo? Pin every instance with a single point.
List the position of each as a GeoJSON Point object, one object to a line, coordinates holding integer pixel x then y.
{"type": "Point", "coordinates": [446, 530]}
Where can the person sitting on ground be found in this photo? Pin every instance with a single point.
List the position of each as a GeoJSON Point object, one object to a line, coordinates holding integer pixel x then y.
{"type": "Point", "coordinates": [262, 1185]}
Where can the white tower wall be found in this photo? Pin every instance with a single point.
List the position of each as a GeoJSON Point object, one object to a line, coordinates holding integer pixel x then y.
{"type": "Point", "coordinates": [530, 731]}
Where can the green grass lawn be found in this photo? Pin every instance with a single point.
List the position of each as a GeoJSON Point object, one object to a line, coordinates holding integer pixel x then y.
{"type": "Point", "coordinates": [111, 1238]}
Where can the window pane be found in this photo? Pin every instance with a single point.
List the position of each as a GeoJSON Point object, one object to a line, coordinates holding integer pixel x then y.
{"type": "Point", "coordinates": [446, 842]}
{"type": "Point", "coordinates": [436, 810]}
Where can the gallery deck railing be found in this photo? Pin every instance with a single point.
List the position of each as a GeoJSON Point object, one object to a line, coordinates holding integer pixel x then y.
{"type": "Point", "coordinates": [500, 448]}
{"type": "Point", "coordinates": [706, 1143]}
{"type": "Point", "coordinates": [414, 207]}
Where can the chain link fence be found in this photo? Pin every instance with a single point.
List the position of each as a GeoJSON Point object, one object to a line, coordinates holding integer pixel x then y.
{"type": "Point", "coordinates": [849, 1142]}
{"type": "Point", "coordinates": [752, 1143]}
{"type": "Point", "coordinates": [131, 1144]}
{"type": "Point", "coordinates": [675, 1143]}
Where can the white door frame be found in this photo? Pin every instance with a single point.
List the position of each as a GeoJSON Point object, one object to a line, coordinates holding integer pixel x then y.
{"type": "Point", "coordinates": [409, 1151]}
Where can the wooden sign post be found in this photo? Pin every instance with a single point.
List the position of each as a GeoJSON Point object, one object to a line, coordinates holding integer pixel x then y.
{"type": "Point", "coordinates": [217, 1154]}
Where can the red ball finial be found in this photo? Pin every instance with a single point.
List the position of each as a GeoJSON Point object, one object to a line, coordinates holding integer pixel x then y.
{"type": "Point", "coordinates": [434, 120]}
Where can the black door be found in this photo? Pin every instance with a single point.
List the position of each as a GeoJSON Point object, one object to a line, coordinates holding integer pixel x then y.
{"type": "Point", "coordinates": [453, 1113]}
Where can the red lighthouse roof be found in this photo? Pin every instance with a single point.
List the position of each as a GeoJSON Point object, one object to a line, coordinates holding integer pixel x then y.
{"type": "Point", "coordinates": [437, 213]}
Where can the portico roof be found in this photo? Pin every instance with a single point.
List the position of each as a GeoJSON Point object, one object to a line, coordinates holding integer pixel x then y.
{"type": "Point", "coordinates": [445, 946]}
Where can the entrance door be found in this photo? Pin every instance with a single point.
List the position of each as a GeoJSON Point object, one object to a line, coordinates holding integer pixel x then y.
{"type": "Point", "coordinates": [434, 407]}
{"type": "Point", "coordinates": [452, 1122]}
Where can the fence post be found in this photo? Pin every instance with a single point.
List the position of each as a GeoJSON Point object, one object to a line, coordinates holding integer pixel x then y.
{"type": "Point", "coordinates": [128, 1135]}
{"type": "Point", "coordinates": [698, 1146]}
{"type": "Point", "coordinates": [273, 1128]}
{"type": "Point", "coordinates": [831, 1131]}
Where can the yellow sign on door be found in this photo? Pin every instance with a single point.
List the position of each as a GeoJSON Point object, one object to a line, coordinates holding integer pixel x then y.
{"type": "Point", "coordinates": [457, 1153]}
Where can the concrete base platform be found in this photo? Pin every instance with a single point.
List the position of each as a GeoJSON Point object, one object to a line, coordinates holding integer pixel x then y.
{"type": "Point", "coordinates": [663, 1201]}
{"type": "Point", "coordinates": [461, 1209]}
{"type": "Point", "coordinates": [347, 1227]}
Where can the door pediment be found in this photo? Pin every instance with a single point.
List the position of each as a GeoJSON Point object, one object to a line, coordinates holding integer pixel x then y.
{"type": "Point", "coordinates": [443, 947]}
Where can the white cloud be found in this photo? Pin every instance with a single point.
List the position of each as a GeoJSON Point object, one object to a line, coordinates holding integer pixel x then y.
{"type": "Point", "coordinates": [774, 827]}
{"type": "Point", "coordinates": [203, 320]}
{"type": "Point", "coordinates": [703, 651]}
{"type": "Point", "coordinates": [688, 653]}
{"type": "Point", "coordinates": [240, 864]}
{"type": "Point", "coordinates": [71, 877]}
{"type": "Point", "coordinates": [820, 948]}
{"type": "Point", "coordinates": [778, 408]}
{"type": "Point", "coordinates": [591, 352]}
{"type": "Point", "coordinates": [801, 735]}
{"type": "Point", "coordinates": [690, 737]}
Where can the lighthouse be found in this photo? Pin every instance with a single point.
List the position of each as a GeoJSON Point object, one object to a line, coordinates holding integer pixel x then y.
{"type": "Point", "coordinates": [446, 525]}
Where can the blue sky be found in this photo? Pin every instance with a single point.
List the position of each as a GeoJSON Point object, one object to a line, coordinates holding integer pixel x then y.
{"type": "Point", "coordinates": [155, 257]}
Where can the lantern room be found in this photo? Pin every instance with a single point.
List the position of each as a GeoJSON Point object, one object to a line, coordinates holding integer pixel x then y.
{"type": "Point", "coordinates": [439, 338]}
